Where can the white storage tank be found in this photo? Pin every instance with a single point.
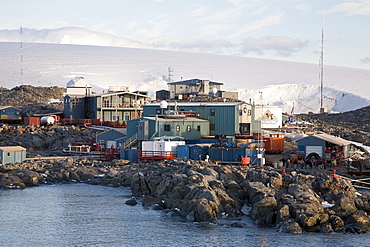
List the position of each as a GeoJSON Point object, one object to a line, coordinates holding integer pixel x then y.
{"type": "Point", "coordinates": [47, 120]}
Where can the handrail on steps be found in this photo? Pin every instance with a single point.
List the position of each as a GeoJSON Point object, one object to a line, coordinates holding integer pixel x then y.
{"type": "Point", "coordinates": [363, 185]}
{"type": "Point", "coordinates": [131, 141]}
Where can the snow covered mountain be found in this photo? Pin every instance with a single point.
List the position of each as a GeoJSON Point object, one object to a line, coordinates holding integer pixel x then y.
{"type": "Point", "coordinates": [259, 80]}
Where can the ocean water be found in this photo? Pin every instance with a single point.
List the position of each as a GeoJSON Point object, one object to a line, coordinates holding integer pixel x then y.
{"type": "Point", "coordinates": [90, 215]}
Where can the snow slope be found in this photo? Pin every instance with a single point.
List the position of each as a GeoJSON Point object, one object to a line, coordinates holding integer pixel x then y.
{"type": "Point", "coordinates": [282, 83]}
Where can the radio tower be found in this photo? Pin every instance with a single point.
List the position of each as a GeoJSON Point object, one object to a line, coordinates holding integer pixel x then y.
{"type": "Point", "coordinates": [170, 74]}
{"type": "Point", "coordinates": [170, 69]}
{"type": "Point", "coordinates": [321, 76]}
{"type": "Point", "coordinates": [21, 42]}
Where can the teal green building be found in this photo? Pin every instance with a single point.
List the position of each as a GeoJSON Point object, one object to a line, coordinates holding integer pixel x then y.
{"type": "Point", "coordinates": [225, 118]}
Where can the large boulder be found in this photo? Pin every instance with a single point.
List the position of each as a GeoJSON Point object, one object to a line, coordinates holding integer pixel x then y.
{"type": "Point", "coordinates": [290, 226]}
{"type": "Point", "coordinates": [168, 184]}
{"type": "Point", "coordinates": [302, 200]}
{"type": "Point", "coordinates": [357, 222]}
{"type": "Point", "coordinates": [201, 204]}
{"type": "Point", "coordinates": [312, 221]}
{"type": "Point", "coordinates": [257, 191]}
{"type": "Point", "coordinates": [263, 211]}
{"type": "Point", "coordinates": [337, 223]}
{"type": "Point", "coordinates": [268, 178]}
{"type": "Point", "coordinates": [11, 182]}
{"type": "Point", "coordinates": [283, 213]}
{"type": "Point", "coordinates": [30, 178]}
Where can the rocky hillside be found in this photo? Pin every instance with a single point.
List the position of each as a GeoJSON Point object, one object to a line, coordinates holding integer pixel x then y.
{"type": "Point", "coordinates": [29, 98]}
{"type": "Point", "coordinates": [353, 125]}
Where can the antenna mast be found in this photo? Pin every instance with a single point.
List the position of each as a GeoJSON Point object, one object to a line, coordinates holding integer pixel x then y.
{"type": "Point", "coordinates": [170, 69]}
{"type": "Point", "coordinates": [21, 42]}
{"type": "Point", "coordinates": [322, 110]}
{"type": "Point", "coordinates": [170, 74]}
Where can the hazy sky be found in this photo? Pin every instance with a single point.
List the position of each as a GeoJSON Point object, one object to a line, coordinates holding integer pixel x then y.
{"type": "Point", "coordinates": [275, 29]}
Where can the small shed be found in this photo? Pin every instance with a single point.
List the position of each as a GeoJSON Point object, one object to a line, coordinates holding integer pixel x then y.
{"type": "Point", "coordinates": [12, 154]}
{"type": "Point", "coordinates": [129, 154]}
{"type": "Point", "coordinates": [199, 151]}
{"type": "Point", "coordinates": [324, 146]}
{"type": "Point", "coordinates": [110, 137]}
{"type": "Point", "coordinates": [162, 95]}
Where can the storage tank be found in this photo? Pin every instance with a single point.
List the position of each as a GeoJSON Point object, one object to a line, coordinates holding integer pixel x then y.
{"type": "Point", "coordinates": [47, 120]}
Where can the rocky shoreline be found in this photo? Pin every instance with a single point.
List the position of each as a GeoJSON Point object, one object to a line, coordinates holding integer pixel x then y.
{"type": "Point", "coordinates": [294, 202]}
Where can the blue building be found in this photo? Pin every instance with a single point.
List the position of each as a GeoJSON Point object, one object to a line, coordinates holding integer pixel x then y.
{"type": "Point", "coordinates": [12, 154]}
{"type": "Point", "coordinates": [111, 138]}
{"type": "Point", "coordinates": [162, 95]}
{"type": "Point", "coordinates": [225, 118]}
{"type": "Point", "coordinates": [324, 146]}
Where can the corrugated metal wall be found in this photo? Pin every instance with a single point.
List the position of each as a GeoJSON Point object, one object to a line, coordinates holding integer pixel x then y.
{"type": "Point", "coordinates": [225, 119]}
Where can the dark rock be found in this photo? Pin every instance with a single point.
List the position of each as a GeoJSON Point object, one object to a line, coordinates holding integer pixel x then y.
{"type": "Point", "coordinates": [148, 201]}
{"type": "Point", "coordinates": [283, 213]}
{"type": "Point", "coordinates": [237, 225]}
{"type": "Point", "coordinates": [359, 221]}
{"type": "Point", "coordinates": [263, 212]}
{"type": "Point", "coordinates": [307, 220]}
{"type": "Point", "coordinates": [29, 178]}
{"type": "Point", "coordinates": [290, 226]}
{"type": "Point", "coordinates": [326, 228]}
{"type": "Point", "coordinates": [205, 210]}
{"type": "Point", "coordinates": [337, 223]}
{"type": "Point", "coordinates": [11, 182]}
{"type": "Point", "coordinates": [131, 202]}
{"type": "Point", "coordinates": [356, 228]}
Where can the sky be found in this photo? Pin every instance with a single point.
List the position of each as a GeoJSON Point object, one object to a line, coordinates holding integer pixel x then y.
{"type": "Point", "coordinates": [288, 30]}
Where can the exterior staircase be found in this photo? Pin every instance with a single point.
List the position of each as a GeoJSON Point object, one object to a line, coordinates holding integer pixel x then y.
{"type": "Point", "coordinates": [130, 142]}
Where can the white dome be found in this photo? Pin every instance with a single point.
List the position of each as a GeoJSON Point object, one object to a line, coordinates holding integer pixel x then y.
{"type": "Point", "coordinates": [163, 104]}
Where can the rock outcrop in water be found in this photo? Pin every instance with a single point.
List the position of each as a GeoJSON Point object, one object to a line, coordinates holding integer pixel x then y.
{"type": "Point", "coordinates": [201, 191]}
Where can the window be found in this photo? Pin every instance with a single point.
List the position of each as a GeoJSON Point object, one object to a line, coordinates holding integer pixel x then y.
{"type": "Point", "coordinates": [158, 111]}
{"type": "Point", "coordinates": [240, 112]}
{"type": "Point", "coordinates": [178, 128]}
{"type": "Point", "coordinates": [8, 154]}
{"type": "Point", "coordinates": [249, 112]}
{"type": "Point", "coordinates": [212, 112]}
{"type": "Point", "coordinates": [167, 127]}
{"type": "Point", "coordinates": [188, 128]}
{"type": "Point", "coordinates": [198, 128]}
{"type": "Point", "coordinates": [212, 127]}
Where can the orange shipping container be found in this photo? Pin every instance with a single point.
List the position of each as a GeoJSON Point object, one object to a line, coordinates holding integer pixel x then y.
{"type": "Point", "coordinates": [274, 144]}
{"type": "Point", "coordinates": [31, 121]}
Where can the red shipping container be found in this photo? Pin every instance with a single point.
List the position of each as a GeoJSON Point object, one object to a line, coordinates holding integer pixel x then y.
{"type": "Point", "coordinates": [31, 121]}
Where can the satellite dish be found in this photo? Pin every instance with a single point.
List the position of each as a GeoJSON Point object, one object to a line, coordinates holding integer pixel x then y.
{"type": "Point", "coordinates": [163, 104]}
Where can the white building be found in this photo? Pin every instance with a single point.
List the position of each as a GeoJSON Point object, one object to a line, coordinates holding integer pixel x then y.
{"type": "Point", "coordinates": [270, 116]}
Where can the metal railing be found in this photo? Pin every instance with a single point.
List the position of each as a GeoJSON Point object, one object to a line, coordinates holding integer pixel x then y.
{"type": "Point", "coordinates": [130, 142]}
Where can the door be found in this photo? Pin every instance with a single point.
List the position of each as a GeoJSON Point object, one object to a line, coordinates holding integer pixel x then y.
{"type": "Point", "coordinates": [314, 149]}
